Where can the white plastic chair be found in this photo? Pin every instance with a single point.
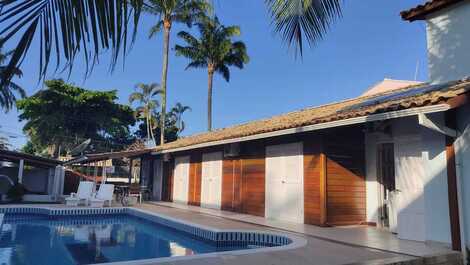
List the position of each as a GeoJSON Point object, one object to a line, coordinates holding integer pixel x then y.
{"type": "Point", "coordinates": [104, 196]}
{"type": "Point", "coordinates": [83, 195]}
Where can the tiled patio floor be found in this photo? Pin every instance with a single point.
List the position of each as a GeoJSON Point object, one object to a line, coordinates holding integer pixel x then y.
{"type": "Point", "coordinates": [317, 251]}
{"type": "Point", "coordinates": [364, 236]}
{"type": "Point", "coordinates": [329, 246]}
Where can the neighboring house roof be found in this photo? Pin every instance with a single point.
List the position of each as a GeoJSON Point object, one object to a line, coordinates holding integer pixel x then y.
{"type": "Point", "coordinates": [388, 85]}
{"type": "Point", "coordinates": [421, 11]}
{"type": "Point", "coordinates": [31, 159]}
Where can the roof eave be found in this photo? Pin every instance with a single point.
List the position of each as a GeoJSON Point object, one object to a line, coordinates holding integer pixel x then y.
{"type": "Point", "coordinates": [421, 12]}
{"type": "Point", "coordinates": [315, 127]}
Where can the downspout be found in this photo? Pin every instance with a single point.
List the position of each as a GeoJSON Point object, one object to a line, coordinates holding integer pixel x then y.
{"type": "Point", "coordinates": [458, 166]}
{"type": "Point", "coordinates": [459, 174]}
{"type": "Point", "coordinates": [453, 185]}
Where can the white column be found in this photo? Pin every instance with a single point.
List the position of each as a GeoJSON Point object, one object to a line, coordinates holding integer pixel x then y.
{"type": "Point", "coordinates": [20, 171]}
{"type": "Point", "coordinates": [104, 176]}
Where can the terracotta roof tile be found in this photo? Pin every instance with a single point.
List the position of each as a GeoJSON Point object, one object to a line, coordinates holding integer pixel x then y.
{"type": "Point", "coordinates": [331, 112]}
{"type": "Point", "coordinates": [419, 12]}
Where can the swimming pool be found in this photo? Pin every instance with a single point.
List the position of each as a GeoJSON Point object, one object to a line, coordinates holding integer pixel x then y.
{"type": "Point", "coordinates": [41, 236]}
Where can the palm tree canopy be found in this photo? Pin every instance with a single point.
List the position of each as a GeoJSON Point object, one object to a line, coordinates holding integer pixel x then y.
{"type": "Point", "coordinates": [8, 90]}
{"type": "Point", "coordinates": [146, 96]}
{"type": "Point", "coordinates": [66, 29]}
{"type": "Point", "coordinates": [175, 11]}
{"type": "Point", "coordinates": [296, 20]}
{"type": "Point", "coordinates": [214, 49]}
{"type": "Point", "coordinates": [180, 108]}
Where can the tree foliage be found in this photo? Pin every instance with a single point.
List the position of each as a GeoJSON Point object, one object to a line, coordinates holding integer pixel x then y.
{"type": "Point", "coordinates": [63, 115]}
{"type": "Point", "coordinates": [215, 50]}
{"type": "Point", "coordinates": [4, 144]}
{"type": "Point", "coordinates": [67, 29]}
{"type": "Point", "coordinates": [171, 128]}
{"type": "Point", "coordinates": [167, 13]}
{"type": "Point", "coordinates": [177, 114]}
{"type": "Point", "coordinates": [145, 95]}
{"type": "Point", "coordinates": [9, 89]}
{"type": "Point", "coordinates": [299, 20]}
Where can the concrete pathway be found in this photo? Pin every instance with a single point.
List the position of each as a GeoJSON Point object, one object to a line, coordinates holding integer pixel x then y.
{"type": "Point", "coordinates": [316, 251]}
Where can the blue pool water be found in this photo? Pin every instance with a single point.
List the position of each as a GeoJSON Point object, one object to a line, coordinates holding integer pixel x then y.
{"type": "Point", "coordinates": [27, 239]}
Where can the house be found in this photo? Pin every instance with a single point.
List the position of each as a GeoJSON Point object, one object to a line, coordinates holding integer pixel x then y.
{"type": "Point", "coordinates": [396, 157]}
{"type": "Point", "coordinates": [43, 178]}
{"type": "Point", "coordinates": [448, 41]}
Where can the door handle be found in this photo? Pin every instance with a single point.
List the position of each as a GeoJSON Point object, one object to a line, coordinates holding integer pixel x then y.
{"type": "Point", "coordinates": [283, 182]}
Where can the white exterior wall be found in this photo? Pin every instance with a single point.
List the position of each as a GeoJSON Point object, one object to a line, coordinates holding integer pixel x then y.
{"type": "Point", "coordinates": [436, 200]}
{"type": "Point", "coordinates": [463, 168]}
{"type": "Point", "coordinates": [448, 39]}
{"type": "Point", "coordinates": [436, 206]}
{"type": "Point", "coordinates": [372, 187]}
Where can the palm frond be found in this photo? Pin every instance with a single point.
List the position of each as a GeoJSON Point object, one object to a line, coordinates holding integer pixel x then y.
{"type": "Point", "coordinates": [136, 96]}
{"type": "Point", "coordinates": [67, 29]}
{"type": "Point", "coordinates": [155, 29]}
{"type": "Point", "coordinates": [224, 71]}
{"type": "Point", "coordinates": [296, 20]}
{"type": "Point", "coordinates": [188, 38]}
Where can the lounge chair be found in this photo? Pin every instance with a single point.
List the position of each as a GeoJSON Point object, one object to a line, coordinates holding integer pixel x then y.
{"type": "Point", "coordinates": [83, 195]}
{"type": "Point", "coordinates": [104, 196]}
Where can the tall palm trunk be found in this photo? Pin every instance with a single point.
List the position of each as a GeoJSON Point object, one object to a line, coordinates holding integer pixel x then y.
{"type": "Point", "coordinates": [148, 127]}
{"type": "Point", "coordinates": [166, 45]}
{"type": "Point", "coordinates": [209, 99]}
{"type": "Point", "coordinates": [151, 129]}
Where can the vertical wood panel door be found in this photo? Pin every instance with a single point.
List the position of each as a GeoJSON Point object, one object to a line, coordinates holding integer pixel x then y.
{"type": "Point", "coordinates": [284, 182]}
{"type": "Point", "coordinates": [157, 180]}
{"type": "Point", "coordinates": [409, 194]}
{"type": "Point", "coordinates": [181, 180]}
{"type": "Point", "coordinates": [211, 188]}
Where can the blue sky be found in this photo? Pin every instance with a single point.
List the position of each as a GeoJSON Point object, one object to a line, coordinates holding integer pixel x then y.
{"type": "Point", "coordinates": [368, 44]}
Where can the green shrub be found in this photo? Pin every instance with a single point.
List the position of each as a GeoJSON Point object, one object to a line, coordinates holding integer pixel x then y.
{"type": "Point", "coordinates": [16, 192]}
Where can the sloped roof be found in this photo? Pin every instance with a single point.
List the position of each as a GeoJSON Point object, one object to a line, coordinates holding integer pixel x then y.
{"type": "Point", "coordinates": [28, 158]}
{"type": "Point", "coordinates": [421, 11]}
{"type": "Point", "coordinates": [88, 158]}
{"type": "Point", "coordinates": [389, 85]}
{"type": "Point", "coordinates": [409, 97]}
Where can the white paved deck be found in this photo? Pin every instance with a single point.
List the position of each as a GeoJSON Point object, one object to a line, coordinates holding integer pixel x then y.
{"type": "Point", "coordinates": [363, 236]}
{"type": "Point", "coordinates": [331, 246]}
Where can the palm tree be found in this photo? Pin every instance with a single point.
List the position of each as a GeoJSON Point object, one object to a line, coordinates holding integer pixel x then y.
{"type": "Point", "coordinates": [169, 12]}
{"type": "Point", "coordinates": [4, 145]}
{"type": "Point", "coordinates": [296, 20]}
{"type": "Point", "coordinates": [177, 112]}
{"type": "Point", "coordinates": [214, 50]}
{"type": "Point", "coordinates": [64, 28]}
{"type": "Point", "coordinates": [8, 89]}
{"type": "Point", "coordinates": [148, 104]}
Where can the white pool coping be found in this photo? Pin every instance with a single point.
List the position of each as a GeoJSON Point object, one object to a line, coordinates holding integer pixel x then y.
{"type": "Point", "coordinates": [296, 241]}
